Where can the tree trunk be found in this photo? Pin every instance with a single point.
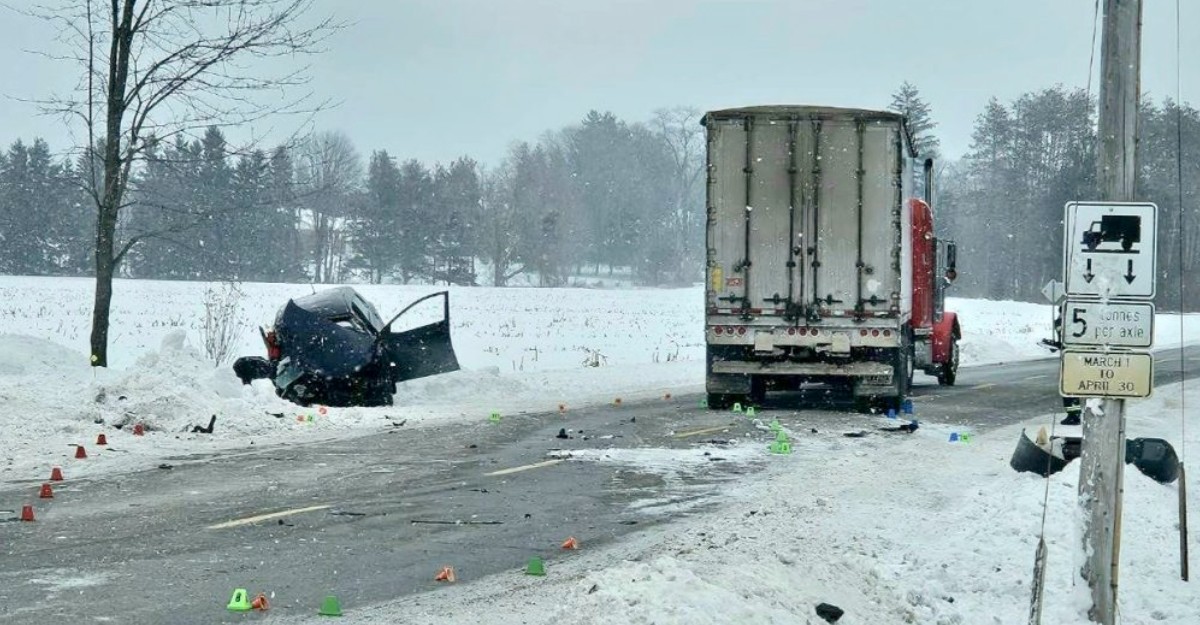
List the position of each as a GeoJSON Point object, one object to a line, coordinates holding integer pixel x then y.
{"type": "Point", "coordinates": [106, 227]}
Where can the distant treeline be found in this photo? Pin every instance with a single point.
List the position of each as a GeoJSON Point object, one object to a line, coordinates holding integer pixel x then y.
{"type": "Point", "coordinates": [1003, 202]}
{"type": "Point", "coordinates": [602, 193]}
{"type": "Point", "coordinates": [599, 194]}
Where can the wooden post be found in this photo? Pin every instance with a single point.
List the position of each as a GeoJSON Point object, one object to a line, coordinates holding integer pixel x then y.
{"type": "Point", "coordinates": [1102, 462]}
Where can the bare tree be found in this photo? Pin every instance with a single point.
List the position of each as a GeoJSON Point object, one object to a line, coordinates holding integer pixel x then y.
{"type": "Point", "coordinates": [500, 226]}
{"type": "Point", "coordinates": [680, 128]}
{"type": "Point", "coordinates": [157, 69]}
{"type": "Point", "coordinates": [329, 172]}
{"type": "Point", "coordinates": [223, 320]}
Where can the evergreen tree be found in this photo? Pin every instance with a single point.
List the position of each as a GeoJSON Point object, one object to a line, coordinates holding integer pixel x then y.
{"type": "Point", "coordinates": [908, 102]}
{"type": "Point", "coordinates": [414, 238]}
{"type": "Point", "coordinates": [376, 219]}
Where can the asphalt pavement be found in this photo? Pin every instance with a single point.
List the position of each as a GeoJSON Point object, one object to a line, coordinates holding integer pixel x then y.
{"type": "Point", "coordinates": [375, 517]}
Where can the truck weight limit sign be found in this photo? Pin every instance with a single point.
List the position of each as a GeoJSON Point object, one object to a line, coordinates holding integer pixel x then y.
{"type": "Point", "coordinates": [1110, 249]}
{"type": "Point", "coordinates": [1106, 374]}
{"type": "Point", "coordinates": [1112, 324]}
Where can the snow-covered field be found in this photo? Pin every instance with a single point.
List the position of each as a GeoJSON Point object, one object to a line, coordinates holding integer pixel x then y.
{"type": "Point", "coordinates": [916, 530]}
{"type": "Point", "coordinates": [522, 350]}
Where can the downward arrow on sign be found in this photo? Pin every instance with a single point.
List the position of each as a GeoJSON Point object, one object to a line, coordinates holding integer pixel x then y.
{"type": "Point", "coordinates": [1088, 275]}
{"type": "Point", "coordinates": [1129, 277]}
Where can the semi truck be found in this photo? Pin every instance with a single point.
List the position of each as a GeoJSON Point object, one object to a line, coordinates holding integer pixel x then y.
{"type": "Point", "coordinates": [823, 266]}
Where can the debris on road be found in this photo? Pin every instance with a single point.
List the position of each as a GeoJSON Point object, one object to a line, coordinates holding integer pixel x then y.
{"type": "Point", "coordinates": [831, 613]}
{"type": "Point", "coordinates": [456, 522]}
{"type": "Point", "coordinates": [212, 422]}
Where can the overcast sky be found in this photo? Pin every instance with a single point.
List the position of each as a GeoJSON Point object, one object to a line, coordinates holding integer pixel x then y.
{"type": "Point", "coordinates": [433, 79]}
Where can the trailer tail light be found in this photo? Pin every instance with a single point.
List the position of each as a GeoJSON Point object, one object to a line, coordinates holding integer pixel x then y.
{"type": "Point", "coordinates": [887, 332]}
{"type": "Point", "coordinates": [718, 330]}
{"type": "Point", "coordinates": [791, 331]}
{"type": "Point", "coordinates": [728, 329]}
{"type": "Point", "coordinates": [273, 350]}
{"type": "Point", "coordinates": [862, 332]}
{"type": "Point", "coordinates": [741, 330]}
{"type": "Point", "coordinates": [874, 332]}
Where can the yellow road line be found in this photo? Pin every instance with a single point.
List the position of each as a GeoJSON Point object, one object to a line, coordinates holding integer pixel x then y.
{"type": "Point", "coordinates": [699, 432]}
{"type": "Point", "coordinates": [982, 386]}
{"type": "Point", "coordinates": [536, 465]}
{"type": "Point", "coordinates": [264, 517]}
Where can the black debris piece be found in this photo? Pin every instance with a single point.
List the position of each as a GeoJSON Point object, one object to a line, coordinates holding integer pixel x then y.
{"type": "Point", "coordinates": [212, 422]}
{"type": "Point", "coordinates": [594, 588]}
{"type": "Point", "coordinates": [831, 613]}
{"type": "Point", "coordinates": [562, 433]}
{"type": "Point", "coordinates": [165, 466]}
{"type": "Point", "coordinates": [858, 434]}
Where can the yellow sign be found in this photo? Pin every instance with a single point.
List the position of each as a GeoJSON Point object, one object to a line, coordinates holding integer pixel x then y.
{"type": "Point", "coordinates": [718, 279]}
{"type": "Point", "coordinates": [1106, 374]}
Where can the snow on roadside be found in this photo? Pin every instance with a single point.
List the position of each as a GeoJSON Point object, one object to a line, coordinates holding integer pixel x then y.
{"type": "Point", "coordinates": [915, 530]}
{"type": "Point", "coordinates": [522, 350]}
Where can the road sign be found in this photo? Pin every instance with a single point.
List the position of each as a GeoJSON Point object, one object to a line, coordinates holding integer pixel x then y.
{"type": "Point", "coordinates": [1090, 323]}
{"type": "Point", "coordinates": [1106, 374]}
{"type": "Point", "coordinates": [1053, 292]}
{"type": "Point", "coordinates": [1110, 249]}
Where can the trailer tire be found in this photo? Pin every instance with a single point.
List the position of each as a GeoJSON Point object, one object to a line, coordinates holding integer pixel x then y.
{"type": "Point", "coordinates": [758, 389]}
{"type": "Point", "coordinates": [949, 371]}
{"type": "Point", "coordinates": [721, 401]}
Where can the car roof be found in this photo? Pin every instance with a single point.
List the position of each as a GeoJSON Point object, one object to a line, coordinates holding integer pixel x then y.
{"type": "Point", "coordinates": [338, 303]}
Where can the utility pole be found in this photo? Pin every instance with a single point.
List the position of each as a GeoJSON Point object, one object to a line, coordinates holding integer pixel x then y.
{"type": "Point", "coordinates": [1101, 480]}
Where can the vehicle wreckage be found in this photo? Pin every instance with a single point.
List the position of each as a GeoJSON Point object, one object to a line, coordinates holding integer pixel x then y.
{"type": "Point", "coordinates": [333, 348]}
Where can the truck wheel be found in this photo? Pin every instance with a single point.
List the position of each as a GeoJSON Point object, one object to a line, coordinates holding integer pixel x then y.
{"type": "Point", "coordinates": [721, 401]}
{"type": "Point", "coordinates": [949, 370]}
{"type": "Point", "coordinates": [758, 389]}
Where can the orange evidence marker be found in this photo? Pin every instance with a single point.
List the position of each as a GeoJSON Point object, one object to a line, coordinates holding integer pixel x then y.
{"type": "Point", "coordinates": [260, 603]}
{"type": "Point", "coordinates": [570, 543]}
{"type": "Point", "coordinates": [445, 575]}
{"type": "Point", "coordinates": [46, 492]}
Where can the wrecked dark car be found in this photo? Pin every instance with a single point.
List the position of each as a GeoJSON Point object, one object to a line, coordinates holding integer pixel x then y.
{"type": "Point", "coordinates": [333, 348]}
